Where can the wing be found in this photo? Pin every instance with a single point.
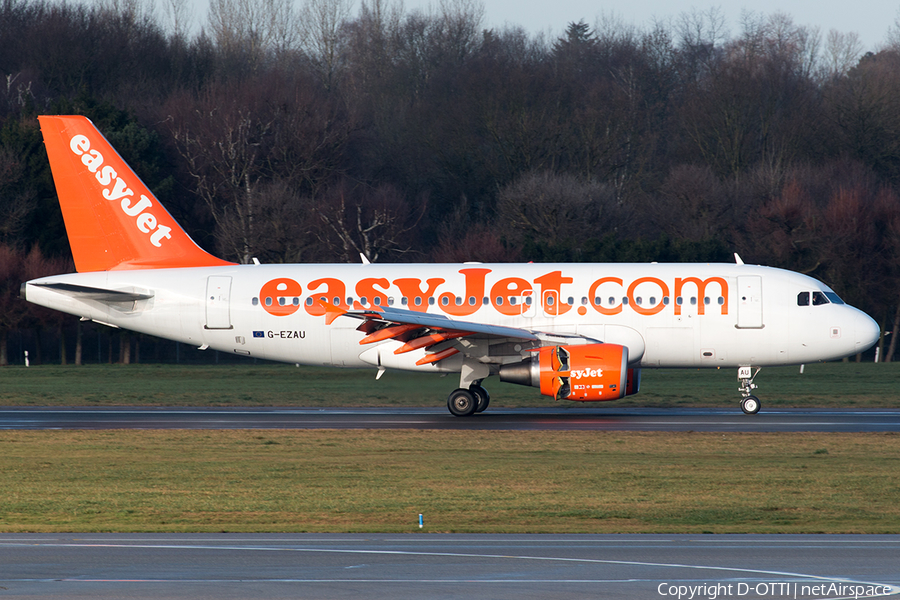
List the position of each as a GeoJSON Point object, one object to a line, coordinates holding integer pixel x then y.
{"type": "Point", "coordinates": [440, 336]}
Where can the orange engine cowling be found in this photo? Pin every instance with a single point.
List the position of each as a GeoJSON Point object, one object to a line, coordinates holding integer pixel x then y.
{"type": "Point", "coordinates": [586, 373]}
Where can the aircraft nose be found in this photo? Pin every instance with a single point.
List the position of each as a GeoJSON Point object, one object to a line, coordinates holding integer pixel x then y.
{"type": "Point", "coordinates": [867, 332]}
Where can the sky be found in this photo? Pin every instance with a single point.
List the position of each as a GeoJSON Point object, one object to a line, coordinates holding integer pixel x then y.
{"type": "Point", "coordinates": [870, 19]}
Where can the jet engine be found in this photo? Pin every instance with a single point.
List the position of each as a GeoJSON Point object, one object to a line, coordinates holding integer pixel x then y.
{"type": "Point", "coordinates": [585, 373]}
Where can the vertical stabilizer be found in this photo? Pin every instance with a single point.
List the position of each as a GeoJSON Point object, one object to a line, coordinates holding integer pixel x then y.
{"type": "Point", "coordinates": [113, 221]}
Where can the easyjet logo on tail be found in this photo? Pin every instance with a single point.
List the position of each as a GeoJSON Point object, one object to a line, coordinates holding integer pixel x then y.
{"type": "Point", "coordinates": [116, 190]}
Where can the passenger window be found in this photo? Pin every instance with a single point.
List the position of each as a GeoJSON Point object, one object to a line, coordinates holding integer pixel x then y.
{"type": "Point", "coordinates": [255, 301]}
{"type": "Point", "coordinates": [818, 298]}
{"type": "Point", "coordinates": [803, 299]}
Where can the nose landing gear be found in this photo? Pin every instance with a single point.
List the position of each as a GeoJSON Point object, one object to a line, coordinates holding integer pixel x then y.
{"type": "Point", "coordinates": [749, 403]}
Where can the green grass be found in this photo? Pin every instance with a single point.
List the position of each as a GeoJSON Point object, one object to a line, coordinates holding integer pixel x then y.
{"type": "Point", "coordinates": [467, 481]}
{"type": "Point", "coordinates": [366, 481]}
{"type": "Point", "coordinates": [822, 385]}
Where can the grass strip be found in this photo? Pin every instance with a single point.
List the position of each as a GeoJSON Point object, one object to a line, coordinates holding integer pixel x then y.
{"type": "Point", "coordinates": [859, 385]}
{"type": "Point", "coordinates": [516, 482]}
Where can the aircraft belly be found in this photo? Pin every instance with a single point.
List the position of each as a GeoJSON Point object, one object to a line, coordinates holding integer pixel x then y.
{"type": "Point", "coordinates": [344, 347]}
{"type": "Point", "coordinates": [670, 347]}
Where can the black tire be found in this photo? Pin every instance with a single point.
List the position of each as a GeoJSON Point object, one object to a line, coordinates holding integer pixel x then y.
{"type": "Point", "coordinates": [482, 398]}
{"type": "Point", "coordinates": [462, 403]}
{"type": "Point", "coordinates": [750, 405]}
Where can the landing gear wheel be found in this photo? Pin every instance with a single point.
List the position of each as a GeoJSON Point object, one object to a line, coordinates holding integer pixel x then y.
{"type": "Point", "coordinates": [750, 405]}
{"type": "Point", "coordinates": [482, 398]}
{"type": "Point", "coordinates": [462, 403]}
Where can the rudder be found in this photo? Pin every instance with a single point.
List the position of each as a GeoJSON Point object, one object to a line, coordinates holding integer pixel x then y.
{"type": "Point", "coordinates": [112, 219]}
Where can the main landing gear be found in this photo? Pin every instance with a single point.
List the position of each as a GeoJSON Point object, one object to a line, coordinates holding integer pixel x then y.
{"type": "Point", "coordinates": [749, 403]}
{"type": "Point", "coordinates": [466, 402]}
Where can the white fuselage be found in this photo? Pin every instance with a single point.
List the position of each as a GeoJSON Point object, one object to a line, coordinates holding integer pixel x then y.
{"type": "Point", "coordinates": [668, 315]}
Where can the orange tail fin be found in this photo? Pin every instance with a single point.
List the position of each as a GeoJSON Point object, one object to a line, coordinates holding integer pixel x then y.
{"type": "Point", "coordinates": [112, 219]}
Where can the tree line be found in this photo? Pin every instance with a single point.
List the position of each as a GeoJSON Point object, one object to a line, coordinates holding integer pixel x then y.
{"type": "Point", "coordinates": [316, 133]}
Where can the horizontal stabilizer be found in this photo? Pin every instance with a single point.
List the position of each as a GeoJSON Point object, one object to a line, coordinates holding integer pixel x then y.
{"type": "Point", "coordinates": [83, 292]}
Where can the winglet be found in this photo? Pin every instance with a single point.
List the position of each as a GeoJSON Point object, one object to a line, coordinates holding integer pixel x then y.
{"type": "Point", "coordinates": [332, 312]}
{"type": "Point", "coordinates": [112, 219]}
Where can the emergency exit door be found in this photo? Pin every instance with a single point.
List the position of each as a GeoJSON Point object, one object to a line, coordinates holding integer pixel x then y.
{"type": "Point", "coordinates": [218, 302]}
{"type": "Point", "coordinates": [750, 314]}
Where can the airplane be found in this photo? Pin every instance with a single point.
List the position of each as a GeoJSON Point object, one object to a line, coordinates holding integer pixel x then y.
{"type": "Point", "coordinates": [579, 332]}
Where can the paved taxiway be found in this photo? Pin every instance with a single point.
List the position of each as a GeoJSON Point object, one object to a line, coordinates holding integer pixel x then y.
{"type": "Point", "coordinates": [416, 566]}
{"type": "Point", "coordinates": [611, 419]}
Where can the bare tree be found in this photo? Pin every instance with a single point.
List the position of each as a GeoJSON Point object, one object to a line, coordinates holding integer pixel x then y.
{"type": "Point", "coordinates": [12, 309]}
{"type": "Point", "coordinates": [693, 204]}
{"type": "Point", "coordinates": [16, 204]}
{"type": "Point", "coordinates": [242, 142]}
{"type": "Point", "coordinates": [698, 29]}
{"type": "Point", "coordinates": [892, 40]}
{"type": "Point", "coordinates": [179, 16]}
{"type": "Point", "coordinates": [251, 29]}
{"type": "Point", "coordinates": [321, 23]}
{"type": "Point", "coordinates": [373, 222]}
{"type": "Point", "coordinates": [223, 149]}
{"type": "Point", "coordinates": [842, 52]}
{"type": "Point", "coordinates": [550, 209]}
{"type": "Point", "coordinates": [864, 108]}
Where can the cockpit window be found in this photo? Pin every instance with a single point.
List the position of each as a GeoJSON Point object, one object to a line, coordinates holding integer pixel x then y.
{"type": "Point", "coordinates": [818, 298]}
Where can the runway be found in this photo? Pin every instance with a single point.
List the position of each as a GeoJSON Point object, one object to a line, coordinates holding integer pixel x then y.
{"type": "Point", "coordinates": [558, 419]}
{"type": "Point", "coordinates": [426, 566]}
{"type": "Point", "coordinates": [383, 566]}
